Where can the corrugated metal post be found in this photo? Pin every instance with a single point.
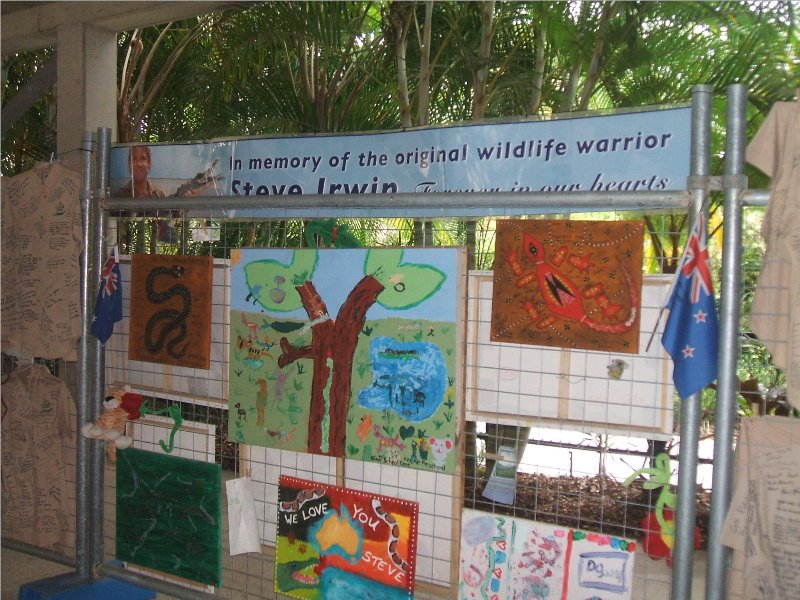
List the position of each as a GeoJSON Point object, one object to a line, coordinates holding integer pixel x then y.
{"type": "Point", "coordinates": [97, 374]}
{"type": "Point", "coordinates": [725, 415]}
{"type": "Point", "coordinates": [686, 510]}
{"type": "Point", "coordinates": [82, 479]}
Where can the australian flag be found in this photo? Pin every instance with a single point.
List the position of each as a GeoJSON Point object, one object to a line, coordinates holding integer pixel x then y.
{"type": "Point", "coordinates": [690, 335]}
{"type": "Point", "coordinates": [108, 308]}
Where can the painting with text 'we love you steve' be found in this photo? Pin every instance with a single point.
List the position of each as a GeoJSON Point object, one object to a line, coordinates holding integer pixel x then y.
{"type": "Point", "coordinates": [338, 544]}
{"type": "Point", "coordinates": [570, 284]}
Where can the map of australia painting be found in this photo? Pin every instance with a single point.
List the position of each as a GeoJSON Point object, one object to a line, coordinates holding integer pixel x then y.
{"type": "Point", "coordinates": [348, 352]}
{"type": "Point", "coordinates": [339, 544]}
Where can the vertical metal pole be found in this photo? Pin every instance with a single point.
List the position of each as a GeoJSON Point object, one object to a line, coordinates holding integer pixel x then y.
{"type": "Point", "coordinates": [686, 510]}
{"type": "Point", "coordinates": [731, 279]}
{"type": "Point", "coordinates": [82, 479]}
{"type": "Point", "coordinates": [97, 375]}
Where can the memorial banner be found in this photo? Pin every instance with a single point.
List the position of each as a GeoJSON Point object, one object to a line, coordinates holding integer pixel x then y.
{"type": "Point", "coordinates": [633, 151]}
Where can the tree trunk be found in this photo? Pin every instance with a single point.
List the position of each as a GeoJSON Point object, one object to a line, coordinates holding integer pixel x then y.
{"type": "Point", "coordinates": [424, 89]}
{"type": "Point", "coordinates": [481, 74]}
{"type": "Point", "coordinates": [333, 344]}
{"type": "Point", "coordinates": [538, 69]}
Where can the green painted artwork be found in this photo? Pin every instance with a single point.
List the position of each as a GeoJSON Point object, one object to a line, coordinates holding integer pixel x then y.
{"type": "Point", "coordinates": [169, 513]}
{"type": "Point", "coordinates": [347, 352]}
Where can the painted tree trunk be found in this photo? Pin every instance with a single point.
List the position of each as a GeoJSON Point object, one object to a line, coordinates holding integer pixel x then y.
{"type": "Point", "coordinates": [332, 347]}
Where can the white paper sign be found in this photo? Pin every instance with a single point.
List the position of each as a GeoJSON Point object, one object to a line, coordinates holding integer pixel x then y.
{"type": "Point", "coordinates": [242, 525]}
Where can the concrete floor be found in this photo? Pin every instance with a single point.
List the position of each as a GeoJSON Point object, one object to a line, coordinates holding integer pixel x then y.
{"type": "Point", "coordinates": [17, 569]}
{"type": "Point", "coordinates": [652, 579]}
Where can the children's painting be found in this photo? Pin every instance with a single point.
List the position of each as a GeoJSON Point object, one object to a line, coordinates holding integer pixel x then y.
{"type": "Point", "coordinates": [505, 557]}
{"type": "Point", "coordinates": [571, 284]}
{"type": "Point", "coordinates": [171, 309]}
{"type": "Point", "coordinates": [339, 544]}
{"type": "Point", "coordinates": [348, 352]}
{"type": "Point", "coordinates": [169, 514]}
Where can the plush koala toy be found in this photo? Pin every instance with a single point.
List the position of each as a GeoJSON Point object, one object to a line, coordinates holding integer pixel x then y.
{"type": "Point", "coordinates": [119, 407]}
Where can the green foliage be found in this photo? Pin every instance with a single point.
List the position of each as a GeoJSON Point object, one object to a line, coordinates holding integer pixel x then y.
{"type": "Point", "coordinates": [32, 138]}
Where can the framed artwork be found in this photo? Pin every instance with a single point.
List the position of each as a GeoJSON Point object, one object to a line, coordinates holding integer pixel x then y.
{"type": "Point", "coordinates": [348, 352]}
{"type": "Point", "coordinates": [171, 309]}
{"type": "Point", "coordinates": [584, 390]}
{"type": "Point", "coordinates": [169, 512]}
{"type": "Point", "coordinates": [338, 543]}
{"type": "Point", "coordinates": [506, 557]}
{"type": "Point", "coordinates": [570, 284]}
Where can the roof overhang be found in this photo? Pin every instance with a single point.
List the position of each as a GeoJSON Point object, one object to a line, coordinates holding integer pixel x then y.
{"type": "Point", "coordinates": [33, 25]}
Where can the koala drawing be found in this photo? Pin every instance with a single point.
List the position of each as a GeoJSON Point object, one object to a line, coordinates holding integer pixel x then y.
{"type": "Point", "coordinates": [440, 448]}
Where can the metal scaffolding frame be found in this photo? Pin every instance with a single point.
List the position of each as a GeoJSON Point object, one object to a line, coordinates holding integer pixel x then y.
{"type": "Point", "coordinates": [96, 203]}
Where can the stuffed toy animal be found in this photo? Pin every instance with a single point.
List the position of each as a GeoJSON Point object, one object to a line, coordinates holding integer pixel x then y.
{"type": "Point", "coordinates": [119, 407]}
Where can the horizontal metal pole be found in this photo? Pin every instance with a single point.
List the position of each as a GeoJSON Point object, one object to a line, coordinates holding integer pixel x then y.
{"type": "Point", "coordinates": [50, 555]}
{"type": "Point", "coordinates": [598, 449]}
{"type": "Point", "coordinates": [755, 197]}
{"type": "Point", "coordinates": [151, 583]}
{"type": "Point", "coordinates": [445, 204]}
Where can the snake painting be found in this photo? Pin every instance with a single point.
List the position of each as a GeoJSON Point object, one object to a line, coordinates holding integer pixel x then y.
{"type": "Point", "coordinates": [394, 535]}
{"type": "Point", "coordinates": [173, 329]}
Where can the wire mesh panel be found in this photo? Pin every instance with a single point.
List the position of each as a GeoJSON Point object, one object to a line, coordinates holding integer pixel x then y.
{"type": "Point", "coordinates": [549, 435]}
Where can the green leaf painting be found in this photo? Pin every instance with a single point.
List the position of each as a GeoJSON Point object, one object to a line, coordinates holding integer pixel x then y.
{"type": "Point", "coordinates": [406, 285]}
{"type": "Point", "coordinates": [272, 283]}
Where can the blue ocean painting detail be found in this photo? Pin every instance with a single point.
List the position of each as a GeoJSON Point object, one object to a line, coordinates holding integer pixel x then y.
{"type": "Point", "coordinates": [409, 378]}
{"type": "Point", "coordinates": [336, 584]}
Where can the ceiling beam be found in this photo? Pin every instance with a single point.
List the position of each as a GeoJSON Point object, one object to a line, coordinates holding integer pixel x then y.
{"type": "Point", "coordinates": [34, 25]}
{"type": "Point", "coordinates": [36, 86]}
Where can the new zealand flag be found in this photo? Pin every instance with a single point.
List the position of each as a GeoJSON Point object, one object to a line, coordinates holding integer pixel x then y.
{"type": "Point", "coordinates": [690, 335]}
{"type": "Point", "coordinates": [108, 308]}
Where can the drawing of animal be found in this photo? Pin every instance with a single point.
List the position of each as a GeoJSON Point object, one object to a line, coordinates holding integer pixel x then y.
{"type": "Point", "coordinates": [266, 344]}
{"type": "Point", "coordinates": [283, 436]}
{"type": "Point", "coordinates": [561, 296]}
{"type": "Point", "coordinates": [174, 321]}
{"type": "Point", "coordinates": [280, 381]}
{"type": "Point", "coordinates": [424, 446]}
{"type": "Point", "coordinates": [249, 353]}
{"type": "Point", "coordinates": [296, 575]}
{"type": "Point", "coordinates": [419, 399]}
{"type": "Point", "coordinates": [251, 325]}
{"type": "Point", "coordinates": [364, 427]}
{"type": "Point", "coordinates": [302, 497]}
{"type": "Point", "coordinates": [394, 535]}
{"type": "Point", "coordinates": [440, 448]}
{"type": "Point", "coordinates": [385, 442]}
{"type": "Point", "coordinates": [241, 413]}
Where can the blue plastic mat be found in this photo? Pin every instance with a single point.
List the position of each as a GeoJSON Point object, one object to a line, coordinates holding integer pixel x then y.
{"type": "Point", "coordinates": [71, 587]}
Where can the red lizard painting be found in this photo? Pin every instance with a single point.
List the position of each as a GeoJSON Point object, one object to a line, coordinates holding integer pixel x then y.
{"type": "Point", "coordinates": [561, 295]}
{"type": "Point", "coordinates": [573, 284]}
